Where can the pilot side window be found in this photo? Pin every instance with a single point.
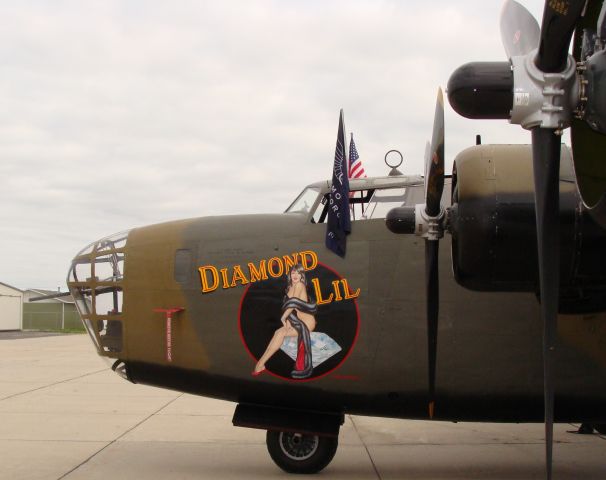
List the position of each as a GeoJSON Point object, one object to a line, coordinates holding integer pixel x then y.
{"type": "Point", "coordinates": [368, 204]}
{"type": "Point", "coordinates": [382, 201]}
{"type": "Point", "coordinates": [304, 202]}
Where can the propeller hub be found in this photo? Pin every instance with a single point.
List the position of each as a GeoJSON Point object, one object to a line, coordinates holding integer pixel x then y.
{"type": "Point", "coordinates": [427, 226]}
{"type": "Point", "coordinates": [542, 99]}
{"type": "Point", "coordinates": [416, 220]}
{"type": "Point", "coordinates": [481, 90]}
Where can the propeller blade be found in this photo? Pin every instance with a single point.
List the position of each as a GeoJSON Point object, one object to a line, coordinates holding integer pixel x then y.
{"type": "Point", "coordinates": [434, 181]}
{"type": "Point", "coordinates": [552, 107]}
{"type": "Point", "coordinates": [559, 21]}
{"type": "Point", "coordinates": [601, 25]}
{"type": "Point", "coordinates": [427, 221]}
{"type": "Point", "coordinates": [519, 29]}
{"type": "Point", "coordinates": [546, 165]}
{"type": "Point", "coordinates": [434, 186]}
{"type": "Point", "coordinates": [557, 27]}
{"type": "Point", "coordinates": [432, 289]}
{"type": "Point", "coordinates": [427, 158]}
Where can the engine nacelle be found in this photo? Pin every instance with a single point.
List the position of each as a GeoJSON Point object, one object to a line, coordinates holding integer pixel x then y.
{"type": "Point", "coordinates": [493, 227]}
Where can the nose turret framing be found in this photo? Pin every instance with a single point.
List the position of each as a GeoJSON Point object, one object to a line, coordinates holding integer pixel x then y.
{"type": "Point", "coordinates": [95, 280]}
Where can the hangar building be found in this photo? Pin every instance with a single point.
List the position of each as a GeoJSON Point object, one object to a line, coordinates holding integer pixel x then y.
{"type": "Point", "coordinates": [50, 314]}
{"type": "Point", "coordinates": [11, 307]}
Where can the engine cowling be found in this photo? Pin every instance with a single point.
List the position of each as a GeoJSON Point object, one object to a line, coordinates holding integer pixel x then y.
{"type": "Point", "coordinates": [492, 221]}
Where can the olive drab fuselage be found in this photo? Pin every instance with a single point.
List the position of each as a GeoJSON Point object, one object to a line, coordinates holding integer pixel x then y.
{"type": "Point", "coordinates": [192, 304]}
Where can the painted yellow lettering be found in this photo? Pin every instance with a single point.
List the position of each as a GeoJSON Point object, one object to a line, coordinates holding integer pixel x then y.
{"type": "Point", "coordinates": [206, 286]}
{"type": "Point", "coordinates": [290, 260]}
{"type": "Point", "coordinates": [309, 259]}
{"type": "Point", "coordinates": [224, 278]}
{"type": "Point", "coordinates": [318, 292]}
{"type": "Point", "coordinates": [348, 292]}
{"type": "Point", "coordinates": [238, 276]}
{"type": "Point", "coordinates": [335, 287]}
{"type": "Point", "coordinates": [270, 267]}
{"type": "Point", "coordinates": [257, 275]}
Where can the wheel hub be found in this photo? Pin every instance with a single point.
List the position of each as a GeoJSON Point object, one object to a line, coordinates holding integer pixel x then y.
{"type": "Point", "coordinates": [298, 446]}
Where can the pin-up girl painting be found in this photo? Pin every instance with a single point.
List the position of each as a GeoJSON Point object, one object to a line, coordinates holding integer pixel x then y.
{"type": "Point", "coordinates": [282, 314]}
{"type": "Point", "coordinates": [297, 321]}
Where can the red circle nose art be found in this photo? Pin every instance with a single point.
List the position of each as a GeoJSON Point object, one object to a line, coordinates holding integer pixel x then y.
{"type": "Point", "coordinates": [300, 327]}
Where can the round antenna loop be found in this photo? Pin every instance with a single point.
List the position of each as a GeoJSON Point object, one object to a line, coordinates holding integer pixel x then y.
{"type": "Point", "coordinates": [394, 164]}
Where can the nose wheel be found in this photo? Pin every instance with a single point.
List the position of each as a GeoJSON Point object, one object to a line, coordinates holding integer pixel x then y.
{"type": "Point", "coordinates": [300, 453]}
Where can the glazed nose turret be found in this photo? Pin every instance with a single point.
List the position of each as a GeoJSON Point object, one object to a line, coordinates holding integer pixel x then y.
{"type": "Point", "coordinates": [95, 280]}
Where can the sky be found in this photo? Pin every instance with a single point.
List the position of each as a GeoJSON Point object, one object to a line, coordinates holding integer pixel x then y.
{"type": "Point", "coordinates": [118, 114]}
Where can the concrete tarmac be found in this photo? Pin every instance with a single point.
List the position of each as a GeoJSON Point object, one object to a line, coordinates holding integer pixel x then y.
{"type": "Point", "coordinates": [65, 415]}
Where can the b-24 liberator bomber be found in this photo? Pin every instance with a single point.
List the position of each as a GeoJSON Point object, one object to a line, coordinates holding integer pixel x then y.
{"type": "Point", "coordinates": [255, 309]}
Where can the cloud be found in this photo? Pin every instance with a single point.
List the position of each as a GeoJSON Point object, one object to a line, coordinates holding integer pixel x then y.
{"type": "Point", "coordinates": [117, 114]}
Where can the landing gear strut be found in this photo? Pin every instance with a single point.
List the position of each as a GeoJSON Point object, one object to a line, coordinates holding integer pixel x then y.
{"type": "Point", "coordinates": [300, 453]}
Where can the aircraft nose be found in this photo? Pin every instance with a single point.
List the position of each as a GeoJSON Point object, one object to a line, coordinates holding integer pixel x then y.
{"type": "Point", "coordinates": [96, 281]}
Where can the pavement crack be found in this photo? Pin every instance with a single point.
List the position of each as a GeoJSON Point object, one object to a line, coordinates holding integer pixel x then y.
{"type": "Point", "coordinates": [120, 436]}
{"type": "Point", "coordinates": [372, 462]}
{"type": "Point", "coordinates": [53, 384]}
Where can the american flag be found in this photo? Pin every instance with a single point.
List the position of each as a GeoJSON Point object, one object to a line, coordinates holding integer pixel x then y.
{"type": "Point", "coordinates": [356, 170]}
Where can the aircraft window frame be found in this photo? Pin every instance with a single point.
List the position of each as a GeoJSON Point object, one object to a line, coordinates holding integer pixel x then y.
{"type": "Point", "coordinates": [109, 267]}
{"type": "Point", "coordinates": [110, 335]}
{"type": "Point", "coordinates": [352, 201]}
{"type": "Point", "coordinates": [108, 301]}
{"type": "Point", "coordinates": [95, 281]}
{"type": "Point", "coordinates": [366, 199]}
{"type": "Point", "coordinates": [381, 196]}
{"type": "Point", "coordinates": [81, 271]}
{"type": "Point", "coordinates": [306, 194]}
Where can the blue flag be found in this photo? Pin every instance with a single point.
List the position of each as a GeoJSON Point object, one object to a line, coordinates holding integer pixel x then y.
{"type": "Point", "coordinates": [338, 225]}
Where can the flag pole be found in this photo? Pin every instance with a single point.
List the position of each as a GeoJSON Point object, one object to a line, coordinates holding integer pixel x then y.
{"type": "Point", "coordinates": [361, 191]}
{"type": "Point", "coordinates": [353, 205]}
{"type": "Point", "coordinates": [338, 224]}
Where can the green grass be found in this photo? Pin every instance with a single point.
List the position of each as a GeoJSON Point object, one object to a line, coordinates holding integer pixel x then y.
{"type": "Point", "coordinates": [64, 330]}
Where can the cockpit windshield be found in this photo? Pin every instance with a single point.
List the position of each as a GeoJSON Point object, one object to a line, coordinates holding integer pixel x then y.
{"type": "Point", "coordinates": [305, 201]}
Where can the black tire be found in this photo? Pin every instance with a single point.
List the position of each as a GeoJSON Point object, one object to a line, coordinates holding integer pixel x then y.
{"type": "Point", "coordinates": [300, 453]}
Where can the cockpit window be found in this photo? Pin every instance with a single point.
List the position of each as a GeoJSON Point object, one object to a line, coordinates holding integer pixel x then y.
{"type": "Point", "coordinates": [383, 201]}
{"type": "Point", "coordinates": [373, 203]}
{"type": "Point", "coordinates": [368, 204]}
{"type": "Point", "coordinates": [305, 201]}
